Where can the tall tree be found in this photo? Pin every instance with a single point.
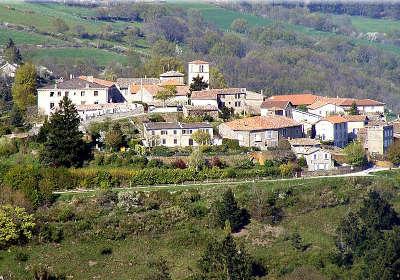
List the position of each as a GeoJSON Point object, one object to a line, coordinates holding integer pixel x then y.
{"type": "Point", "coordinates": [223, 260]}
{"type": "Point", "coordinates": [217, 79]}
{"type": "Point", "coordinates": [24, 86]}
{"type": "Point", "coordinates": [114, 138]}
{"type": "Point", "coordinates": [355, 154]}
{"type": "Point", "coordinates": [166, 93]}
{"type": "Point", "coordinates": [198, 84]}
{"type": "Point", "coordinates": [201, 137]}
{"type": "Point", "coordinates": [64, 145]}
{"type": "Point", "coordinates": [11, 53]}
{"type": "Point", "coordinates": [227, 209]}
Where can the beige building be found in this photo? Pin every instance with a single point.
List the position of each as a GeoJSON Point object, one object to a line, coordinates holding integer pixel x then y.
{"type": "Point", "coordinates": [173, 134]}
{"type": "Point", "coordinates": [233, 98]}
{"type": "Point", "coordinates": [378, 138]}
{"type": "Point", "coordinates": [354, 124]}
{"type": "Point", "coordinates": [262, 132]}
{"type": "Point", "coordinates": [279, 108]}
{"type": "Point", "coordinates": [172, 77]}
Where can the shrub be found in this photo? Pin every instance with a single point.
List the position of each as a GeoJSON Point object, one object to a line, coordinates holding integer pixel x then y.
{"type": "Point", "coordinates": [179, 163]}
{"type": "Point", "coordinates": [161, 151]}
{"type": "Point", "coordinates": [155, 117]}
{"type": "Point", "coordinates": [230, 144]}
{"type": "Point", "coordinates": [355, 154]}
{"type": "Point", "coordinates": [7, 147]}
{"type": "Point", "coordinates": [106, 251]}
{"type": "Point", "coordinates": [16, 225]}
{"type": "Point", "coordinates": [155, 163]}
{"type": "Point", "coordinates": [50, 233]}
{"type": "Point", "coordinates": [21, 256]}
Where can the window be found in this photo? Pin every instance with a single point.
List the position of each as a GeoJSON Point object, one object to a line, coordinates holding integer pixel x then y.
{"type": "Point", "coordinates": [82, 93]}
{"type": "Point", "coordinates": [175, 141]}
{"type": "Point", "coordinates": [184, 131]}
{"type": "Point", "coordinates": [257, 138]}
{"type": "Point", "coordinates": [326, 156]}
{"type": "Point", "coordinates": [201, 68]}
{"type": "Point", "coordinates": [237, 103]}
{"type": "Point", "coordinates": [190, 131]}
{"type": "Point", "coordinates": [59, 93]}
{"type": "Point", "coordinates": [66, 93]}
{"type": "Point", "coordinates": [74, 93]}
{"type": "Point", "coordinates": [51, 93]}
{"type": "Point", "coordinates": [164, 132]}
{"type": "Point", "coordinates": [163, 141]}
{"type": "Point", "coordinates": [153, 132]}
{"type": "Point", "coordinates": [51, 105]}
{"type": "Point", "coordinates": [315, 156]}
{"type": "Point", "coordinates": [83, 102]}
{"type": "Point", "coordinates": [268, 134]}
{"type": "Point", "coordinates": [96, 93]}
{"type": "Point", "coordinates": [175, 131]}
{"type": "Point", "coordinates": [96, 102]}
{"type": "Point", "coordinates": [190, 142]}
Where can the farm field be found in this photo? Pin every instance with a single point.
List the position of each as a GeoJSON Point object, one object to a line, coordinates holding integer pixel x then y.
{"type": "Point", "coordinates": [102, 57]}
{"type": "Point", "coordinates": [28, 38]}
{"type": "Point", "coordinates": [308, 206]}
{"type": "Point", "coordinates": [365, 24]}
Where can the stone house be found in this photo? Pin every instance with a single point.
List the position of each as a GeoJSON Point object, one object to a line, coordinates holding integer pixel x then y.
{"type": "Point", "coordinates": [377, 138]}
{"type": "Point", "coordinates": [354, 124]}
{"type": "Point", "coordinates": [171, 134]}
{"type": "Point", "coordinates": [274, 107]}
{"type": "Point", "coordinates": [233, 98]}
{"type": "Point", "coordinates": [260, 131]}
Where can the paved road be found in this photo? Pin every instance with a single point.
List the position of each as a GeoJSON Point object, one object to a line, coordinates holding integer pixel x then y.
{"type": "Point", "coordinates": [363, 173]}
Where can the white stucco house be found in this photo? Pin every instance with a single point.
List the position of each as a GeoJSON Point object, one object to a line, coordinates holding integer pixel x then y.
{"type": "Point", "coordinates": [325, 108]}
{"type": "Point", "coordinates": [276, 107]}
{"type": "Point", "coordinates": [85, 90]}
{"type": "Point", "coordinates": [332, 128]}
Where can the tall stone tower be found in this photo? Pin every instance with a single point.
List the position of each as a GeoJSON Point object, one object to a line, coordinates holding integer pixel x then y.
{"type": "Point", "coordinates": [199, 68]}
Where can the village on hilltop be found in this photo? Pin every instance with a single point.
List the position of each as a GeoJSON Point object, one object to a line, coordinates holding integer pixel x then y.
{"type": "Point", "coordinates": [316, 127]}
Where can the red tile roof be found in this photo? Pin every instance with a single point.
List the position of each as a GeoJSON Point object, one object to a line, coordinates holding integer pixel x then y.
{"type": "Point", "coordinates": [355, 118]}
{"type": "Point", "coordinates": [268, 104]}
{"type": "Point", "coordinates": [296, 99]}
{"type": "Point", "coordinates": [347, 102]}
{"type": "Point", "coordinates": [335, 119]}
{"type": "Point", "coordinates": [97, 81]}
{"type": "Point", "coordinates": [261, 123]}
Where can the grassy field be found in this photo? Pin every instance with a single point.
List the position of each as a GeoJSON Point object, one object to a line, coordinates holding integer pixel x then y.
{"type": "Point", "coordinates": [22, 37]}
{"type": "Point", "coordinates": [365, 24]}
{"type": "Point", "coordinates": [308, 209]}
{"type": "Point", "coordinates": [102, 57]}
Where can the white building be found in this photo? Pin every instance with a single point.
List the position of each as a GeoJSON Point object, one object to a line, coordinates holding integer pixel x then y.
{"type": "Point", "coordinates": [8, 70]}
{"type": "Point", "coordinates": [334, 129]}
{"type": "Point", "coordinates": [81, 91]}
{"type": "Point", "coordinates": [325, 108]}
{"type": "Point", "coordinates": [148, 94]}
{"type": "Point", "coordinates": [354, 124]}
{"type": "Point", "coordinates": [199, 68]}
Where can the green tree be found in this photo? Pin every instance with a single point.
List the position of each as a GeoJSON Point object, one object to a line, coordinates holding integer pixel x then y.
{"type": "Point", "coordinates": [353, 109]}
{"type": "Point", "coordinates": [165, 94]}
{"type": "Point", "coordinates": [240, 25]}
{"type": "Point", "coordinates": [196, 159]}
{"type": "Point", "coordinates": [60, 25]}
{"type": "Point", "coordinates": [201, 137]}
{"type": "Point", "coordinates": [114, 138]}
{"type": "Point", "coordinates": [224, 260]}
{"type": "Point", "coordinates": [11, 53]}
{"type": "Point", "coordinates": [198, 84]}
{"type": "Point", "coordinates": [17, 117]}
{"type": "Point", "coordinates": [16, 225]}
{"type": "Point", "coordinates": [393, 153]}
{"type": "Point", "coordinates": [217, 79]}
{"type": "Point", "coordinates": [24, 86]}
{"type": "Point", "coordinates": [64, 145]}
{"type": "Point", "coordinates": [355, 154]}
{"type": "Point", "coordinates": [227, 209]}
{"type": "Point", "coordinates": [226, 113]}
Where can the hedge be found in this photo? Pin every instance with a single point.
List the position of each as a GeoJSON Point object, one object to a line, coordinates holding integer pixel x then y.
{"type": "Point", "coordinates": [17, 177]}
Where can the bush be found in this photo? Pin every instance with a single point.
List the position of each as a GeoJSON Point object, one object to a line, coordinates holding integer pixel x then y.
{"type": "Point", "coordinates": [155, 163]}
{"type": "Point", "coordinates": [7, 147]}
{"type": "Point", "coordinates": [179, 163]}
{"type": "Point", "coordinates": [21, 256]}
{"type": "Point", "coordinates": [155, 117]}
{"type": "Point", "coordinates": [106, 251]}
{"type": "Point", "coordinates": [161, 151]}
{"type": "Point", "coordinates": [230, 144]}
{"type": "Point", "coordinates": [16, 225]}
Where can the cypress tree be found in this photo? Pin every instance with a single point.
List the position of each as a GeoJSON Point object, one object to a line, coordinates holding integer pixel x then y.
{"type": "Point", "coordinates": [64, 145]}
